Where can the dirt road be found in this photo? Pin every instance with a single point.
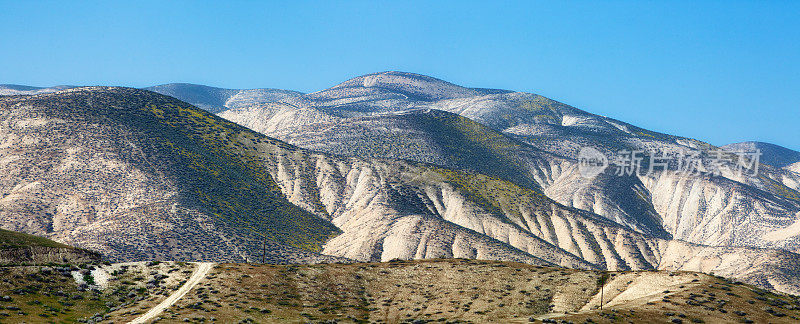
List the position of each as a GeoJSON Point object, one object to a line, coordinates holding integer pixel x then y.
{"type": "Point", "coordinates": [202, 271]}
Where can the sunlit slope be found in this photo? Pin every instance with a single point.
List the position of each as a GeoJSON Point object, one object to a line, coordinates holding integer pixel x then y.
{"type": "Point", "coordinates": [433, 136]}
{"type": "Point", "coordinates": [394, 114]}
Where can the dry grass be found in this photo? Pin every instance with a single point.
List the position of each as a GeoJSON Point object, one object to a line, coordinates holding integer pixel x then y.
{"type": "Point", "coordinates": [706, 299]}
{"type": "Point", "coordinates": [445, 291]}
{"type": "Point", "coordinates": [451, 291]}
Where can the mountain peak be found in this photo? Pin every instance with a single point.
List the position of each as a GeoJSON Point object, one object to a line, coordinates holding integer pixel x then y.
{"type": "Point", "coordinates": [412, 85]}
{"type": "Point", "coordinates": [397, 75]}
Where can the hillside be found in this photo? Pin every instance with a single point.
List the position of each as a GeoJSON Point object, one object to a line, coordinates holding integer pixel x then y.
{"type": "Point", "coordinates": [795, 167]}
{"type": "Point", "coordinates": [453, 141]}
{"type": "Point", "coordinates": [21, 248]}
{"type": "Point", "coordinates": [433, 136]}
{"type": "Point", "coordinates": [73, 294]}
{"type": "Point", "coordinates": [165, 180]}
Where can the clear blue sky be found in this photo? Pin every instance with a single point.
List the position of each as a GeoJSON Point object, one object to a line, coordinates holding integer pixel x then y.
{"type": "Point", "coordinates": [721, 71]}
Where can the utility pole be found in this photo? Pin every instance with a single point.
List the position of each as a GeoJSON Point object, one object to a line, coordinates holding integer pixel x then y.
{"type": "Point", "coordinates": [601, 297]}
{"type": "Point", "coordinates": [602, 282]}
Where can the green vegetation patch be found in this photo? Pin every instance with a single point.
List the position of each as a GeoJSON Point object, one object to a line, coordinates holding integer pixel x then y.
{"type": "Point", "coordinates": [498, 196]}
{"type": "Point", "coordinates": [34, 295]}
{"type": "Point", "coordinates": [476, 147]}
{"type": "Point", "coordinates": [11, 240]}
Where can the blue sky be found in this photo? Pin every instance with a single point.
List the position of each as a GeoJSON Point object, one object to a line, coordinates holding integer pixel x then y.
{"type": "Point", "coordinates": [719, 71]}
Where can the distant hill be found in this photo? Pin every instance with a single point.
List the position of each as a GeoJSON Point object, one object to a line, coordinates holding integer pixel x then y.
{"type": "Point", "coordinates": [15, 89]}
{"type": "Point", "coordinates": [218, 99]}
{"type": "Point", "coordinates": [208, 98]}
{"type": "Point", "coordinates": [21, 248]}
{"type": "Point", "coordinates": [774, 155]}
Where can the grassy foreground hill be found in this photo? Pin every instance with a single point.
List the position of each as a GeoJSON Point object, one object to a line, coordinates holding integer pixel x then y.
{"type": "Point", "coordinates": [12, 240]}
{"type": "Point", "coordinates": [86, 293]}
{"type": "Point", "coordinates": [427, 291]}
{"type": "Point", "coordinates": [449, 291]}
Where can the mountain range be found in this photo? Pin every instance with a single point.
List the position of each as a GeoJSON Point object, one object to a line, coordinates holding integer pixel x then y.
{"type": "Point", "coordinates": [385, 166]}
{"type": "Point", "coordinates": [534, 142]}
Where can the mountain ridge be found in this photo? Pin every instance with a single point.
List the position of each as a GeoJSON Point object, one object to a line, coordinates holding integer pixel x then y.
{"type": "Point", "coordinates": [376, 209]}
{"type": "Point", "coordinates": [215, 99]}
